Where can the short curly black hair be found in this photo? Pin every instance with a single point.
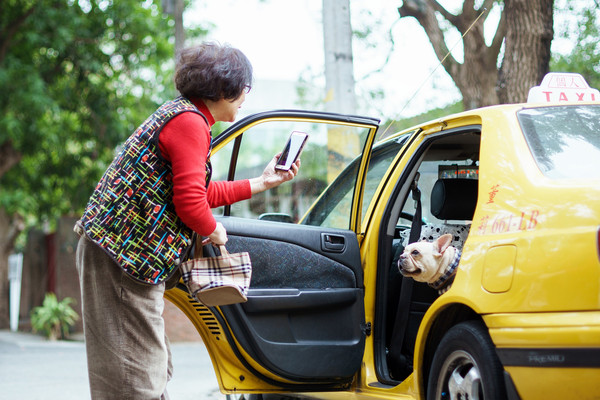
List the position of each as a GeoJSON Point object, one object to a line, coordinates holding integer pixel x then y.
{"type": "Point", "coordinates": [211, 71]}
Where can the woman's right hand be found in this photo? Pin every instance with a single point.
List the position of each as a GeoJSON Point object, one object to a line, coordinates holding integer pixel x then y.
{"type": "Point", "coordinates": [218, 237]}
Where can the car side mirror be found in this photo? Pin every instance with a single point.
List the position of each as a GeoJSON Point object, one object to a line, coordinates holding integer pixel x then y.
{"type": "Point", "coordinates": [277, 217]}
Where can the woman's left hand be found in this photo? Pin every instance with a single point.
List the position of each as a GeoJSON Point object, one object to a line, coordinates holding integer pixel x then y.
{"type": "Point", "coordinates": [272, 177]}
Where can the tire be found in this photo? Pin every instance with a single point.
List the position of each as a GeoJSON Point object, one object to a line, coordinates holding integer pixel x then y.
{"type": "Point", "coordinates": [466, 366]}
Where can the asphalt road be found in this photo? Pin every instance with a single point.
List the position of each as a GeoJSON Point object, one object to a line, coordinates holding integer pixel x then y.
{"type": "Point", "coordinates": [32, 368]}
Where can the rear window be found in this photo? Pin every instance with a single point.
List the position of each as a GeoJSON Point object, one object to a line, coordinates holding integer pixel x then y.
{"type": "Point", "coordinates": [564, 140]}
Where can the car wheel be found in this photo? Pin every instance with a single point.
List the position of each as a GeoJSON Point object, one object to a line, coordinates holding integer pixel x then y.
{"type": "Point", "coordinates": [466, 366]}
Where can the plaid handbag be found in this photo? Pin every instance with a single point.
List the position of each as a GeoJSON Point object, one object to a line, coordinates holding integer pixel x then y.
{"type": "Point", "coordinates": [219, 280]}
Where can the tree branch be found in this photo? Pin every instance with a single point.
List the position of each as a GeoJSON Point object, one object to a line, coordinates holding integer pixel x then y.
{"type": "Point", "coordinates": [487, 5]}
{"type": "Point", "coordinates": [498, 37]}
{"type": "Point", "coordinates": [445, 13]}
{"type": "Point", "coordinates": [424, 12]}
{"type": "Point", "coordinates": [389, 55]}
{"type": "Point", "coordinates": [468, 5]}
{"type": "Point", "coordinates": [468, 8]}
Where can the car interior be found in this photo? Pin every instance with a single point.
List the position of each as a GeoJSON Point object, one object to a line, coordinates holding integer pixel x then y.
{"type": "Point", "coordinates": [437, 194]}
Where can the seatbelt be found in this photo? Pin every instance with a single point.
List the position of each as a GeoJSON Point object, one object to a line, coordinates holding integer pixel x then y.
{"type": "Point", "coordinates": [395, 356]}
{"type": "Point", "coordinates": [415, 229]}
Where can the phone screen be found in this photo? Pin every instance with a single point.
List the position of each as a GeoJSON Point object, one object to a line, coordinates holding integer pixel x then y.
{"type": "Point", "coordinates": [292, 150]}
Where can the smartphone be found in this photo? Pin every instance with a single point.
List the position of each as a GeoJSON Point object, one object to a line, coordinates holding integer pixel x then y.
{"type": "Point", "coordinates": [291, 151]}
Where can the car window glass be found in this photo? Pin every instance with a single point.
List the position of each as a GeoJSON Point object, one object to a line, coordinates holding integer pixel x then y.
{"type": "Point", "coordinates": [331, 207]}
{"type": "Point", "coordinates": [327, 155]}
{"type": "Point", "coordinates": [564, 140]}
{"type": "Point", "coordinates": [382, 156]}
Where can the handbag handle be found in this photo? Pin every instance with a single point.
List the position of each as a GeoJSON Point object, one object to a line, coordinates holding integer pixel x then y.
{"type": "Point", "coordinates": [199, 245]}
{"type": "Point", "coordinates": [223, 250]}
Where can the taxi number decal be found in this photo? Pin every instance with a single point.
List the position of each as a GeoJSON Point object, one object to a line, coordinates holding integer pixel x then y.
{"type": "Point", "coordinates": [504, 223]}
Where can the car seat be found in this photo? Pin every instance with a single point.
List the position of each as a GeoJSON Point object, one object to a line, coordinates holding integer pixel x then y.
{"type": "Point", "coordinates": [451, 199]}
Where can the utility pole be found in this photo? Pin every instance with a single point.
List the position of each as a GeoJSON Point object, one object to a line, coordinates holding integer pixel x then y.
{"type": "Point", "coordinates": [342, 143]}
{"type": "Point", "coordinates": [175, 8]}
{"type": "Point", "coordinates": [339, 71]}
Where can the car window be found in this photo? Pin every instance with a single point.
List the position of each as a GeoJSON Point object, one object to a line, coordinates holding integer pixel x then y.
{"type": "Point", "coordinates": [453, 156]}
{"type": "Point", "coordinates": [430, 172]}
{"type": "Point", "coordinates": [331, 208]}
{"type": "Point", "coordinates": [329, 151]}
{"type": "Point", "coordinates": [564, 141]}
{"type": "Point", "coordinates": [381, 159]}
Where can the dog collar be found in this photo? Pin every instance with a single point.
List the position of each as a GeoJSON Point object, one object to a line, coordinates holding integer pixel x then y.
{"type": "Point", "coordinates": [448, 277]}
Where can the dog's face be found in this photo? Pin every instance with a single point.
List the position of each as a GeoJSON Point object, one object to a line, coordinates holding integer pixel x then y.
{"type": "Point", "coordinates": [426, 261]}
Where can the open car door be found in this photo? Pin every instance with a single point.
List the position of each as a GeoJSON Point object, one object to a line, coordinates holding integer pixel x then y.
{"type": "Point", "coordinates": [303, 326]}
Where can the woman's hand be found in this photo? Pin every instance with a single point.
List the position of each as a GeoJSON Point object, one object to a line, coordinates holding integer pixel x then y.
{"type": "Point", "coordinates": [218, 237]}
{"type": "Point", "coordinates": [272, 177]}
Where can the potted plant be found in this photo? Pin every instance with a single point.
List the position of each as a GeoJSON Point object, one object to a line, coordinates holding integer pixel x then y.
{"type": "Point", "coordinates": [54, 318]}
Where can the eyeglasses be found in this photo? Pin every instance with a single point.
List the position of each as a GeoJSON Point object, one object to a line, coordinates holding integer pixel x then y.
{"type": "Point", "coordinates": [247, 89]}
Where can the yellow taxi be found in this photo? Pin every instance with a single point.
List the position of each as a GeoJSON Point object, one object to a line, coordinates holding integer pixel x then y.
{"type": "Point", "coordinates": [328, 314]}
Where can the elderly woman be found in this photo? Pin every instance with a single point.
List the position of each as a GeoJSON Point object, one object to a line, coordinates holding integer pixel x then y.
{"type": "Point", "coordinates": [139, 222]}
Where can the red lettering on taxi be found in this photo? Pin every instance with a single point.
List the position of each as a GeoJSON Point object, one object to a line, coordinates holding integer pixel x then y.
{"type": "Point", "coordinates": [508, 222]}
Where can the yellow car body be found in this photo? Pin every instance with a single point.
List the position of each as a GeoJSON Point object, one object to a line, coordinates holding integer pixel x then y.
{"type": "Point", "coordinates": [529, 272]}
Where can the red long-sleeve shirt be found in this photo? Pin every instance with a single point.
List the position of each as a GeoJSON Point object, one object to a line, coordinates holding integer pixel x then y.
{"type": "Point", "coordinates": [184, 142]}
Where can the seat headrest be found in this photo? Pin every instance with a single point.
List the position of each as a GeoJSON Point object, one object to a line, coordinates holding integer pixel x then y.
{"type": "Point", "coordinates": [454, 199]}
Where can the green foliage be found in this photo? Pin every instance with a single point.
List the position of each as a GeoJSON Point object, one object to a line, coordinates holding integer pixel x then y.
{"type": "Point", "coordinates": [583, 32]}
{"type": "Point", "coordinates": [77, 77]}
{"type": "Point", "coordinates": [54, 318]}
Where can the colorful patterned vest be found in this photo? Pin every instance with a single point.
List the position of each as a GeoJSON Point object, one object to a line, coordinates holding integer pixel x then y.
{"type": "Point", "coordinates": [131, 213]}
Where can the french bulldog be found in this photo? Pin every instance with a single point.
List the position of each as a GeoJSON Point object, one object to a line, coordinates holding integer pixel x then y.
{"type": "Point", "coordinates": [432, 262]}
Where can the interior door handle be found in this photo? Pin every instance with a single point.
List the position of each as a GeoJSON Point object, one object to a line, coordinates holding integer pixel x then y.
{"type": "Point", "coordinates": [332, 242]}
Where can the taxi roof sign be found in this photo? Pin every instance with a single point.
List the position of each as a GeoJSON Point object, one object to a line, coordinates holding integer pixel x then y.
{"type": "Point", "coordinates": [560, 87]}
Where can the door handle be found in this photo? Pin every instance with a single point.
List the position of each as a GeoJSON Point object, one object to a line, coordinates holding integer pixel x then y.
{"type": "Point", "coordinates": [332, 242]}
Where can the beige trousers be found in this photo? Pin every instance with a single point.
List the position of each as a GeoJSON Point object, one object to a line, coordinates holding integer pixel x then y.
{"type": "Point", "coordinates": [127, 350]}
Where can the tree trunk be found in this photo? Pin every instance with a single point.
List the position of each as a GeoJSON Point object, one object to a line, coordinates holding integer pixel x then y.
{"type": "Point", "coordinates": [476, 78]}
{"type": "Point", "coordinates": [527, 48]}
{"type": "Point", "coordinates": [477, 75]}
{"type": "Point", "coordinates": [179, 29]}
{"type": "Point", "coordinates": [525, 27]}
{"type": "Point", "coordinates": [10, 227]}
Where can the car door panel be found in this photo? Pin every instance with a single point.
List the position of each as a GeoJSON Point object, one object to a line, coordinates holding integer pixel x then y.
{"type": "Point", "coordinates": [286, 255]}
{"type": "Point", "coordinates": [303, 326]}
{"type": "Point", "coordinates": [304, 319]}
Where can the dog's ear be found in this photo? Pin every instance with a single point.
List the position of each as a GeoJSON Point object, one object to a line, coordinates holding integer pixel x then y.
{"type": "Point", "coordinates": [441, 244]}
